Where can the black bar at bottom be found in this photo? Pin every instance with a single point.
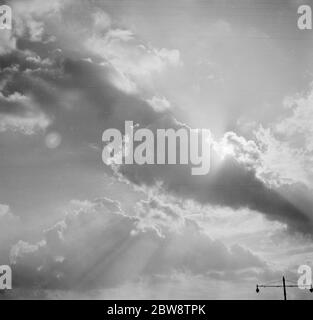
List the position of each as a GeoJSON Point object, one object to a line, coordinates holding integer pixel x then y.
{"type": "Point", "coordinates": [147, 309]}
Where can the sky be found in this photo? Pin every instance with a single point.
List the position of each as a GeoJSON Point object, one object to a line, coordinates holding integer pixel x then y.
{"type": "Point", "coordinates": [73, 227]}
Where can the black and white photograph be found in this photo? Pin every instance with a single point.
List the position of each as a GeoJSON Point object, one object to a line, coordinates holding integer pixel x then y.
{"type": "Point", "coordinates": [156, 150]}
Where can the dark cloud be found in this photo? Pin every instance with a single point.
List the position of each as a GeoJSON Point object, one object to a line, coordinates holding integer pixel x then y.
{"type": "Point", "coordinates": [229, 183]}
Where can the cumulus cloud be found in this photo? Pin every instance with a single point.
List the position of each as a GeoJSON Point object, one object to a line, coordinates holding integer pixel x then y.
{"type": "Point", "coordinates": [232, 182]}
{"type": "Point", "coordinates": [193, 251]}
{"type": "Point", "coordinates": [159, 104]}
{"type": "Point", "coordinates": [133, 61]}
{"type": "Point", "coordinates": [50, 78]}
{"type": "Point", "coordinates": [159, 215]}
{"type": "Point", "coordinates": [281, 163]}
{"type": "Point", "coordinates": [27, 23]}
{"type": "Point", "coordinates": [95, 246]}
{"type": "Point", "coordinates": [287, 144]}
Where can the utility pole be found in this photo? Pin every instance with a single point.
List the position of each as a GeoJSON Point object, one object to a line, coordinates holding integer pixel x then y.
{"type": "Point", "coordinates": [284, 286]}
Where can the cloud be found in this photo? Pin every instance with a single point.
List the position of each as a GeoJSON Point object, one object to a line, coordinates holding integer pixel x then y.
{"type": "Point", "coordinates": [94, 253]}
{"type": "Point", "coordinates": [57, 80]}
{"type": "Point", "coordinates": [296, 127]}
{"type": "Point", "coordinates": [26, 125]}
{"type": "Point", "coordinates": [67, 91]}
{"type": "Point", "coordinates": [6, 214]}
{"type": "Point", "coordinates": [232, 182]}
{"type": "Point", "coordinates": [192, 251]}
{"type": "Point", "coordinates": [18, 113]}
{"type": "Point", "coordinates": [282, 164]}
{"type": "Point", "coordinates": [60, 89]}
{"type": "Point", "coordinates": [100, 79]}
{"type": "Point", "coordinates": [72, 246]}
{"type": "Point", "coordinates": [287, 149]}
{"type": "Point", "coordinates": [28, 21]}
{"type": "Point", "coordinates": [159, 104]}
{"type": "Point", "coordinates": [95, 246]}
{"type": "Point", "coordinates": [7, 42]}
{"type": "Point", "coordinates": [135, 62]}
{"type": "Point", "coordinates": [159, 215]}
{"type": "Point", "coordinates": [10, 226]}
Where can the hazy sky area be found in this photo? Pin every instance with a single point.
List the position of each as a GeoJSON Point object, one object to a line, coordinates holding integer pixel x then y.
{"type": "Point", "coordinates": [73, 227]}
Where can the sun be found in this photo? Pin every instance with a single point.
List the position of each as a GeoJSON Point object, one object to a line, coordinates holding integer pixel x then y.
{"type": "Point", "coordinates": [224, 149]}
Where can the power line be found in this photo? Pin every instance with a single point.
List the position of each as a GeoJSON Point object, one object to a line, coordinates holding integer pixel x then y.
{"type": "Point", "coordinates": [283, 285]}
